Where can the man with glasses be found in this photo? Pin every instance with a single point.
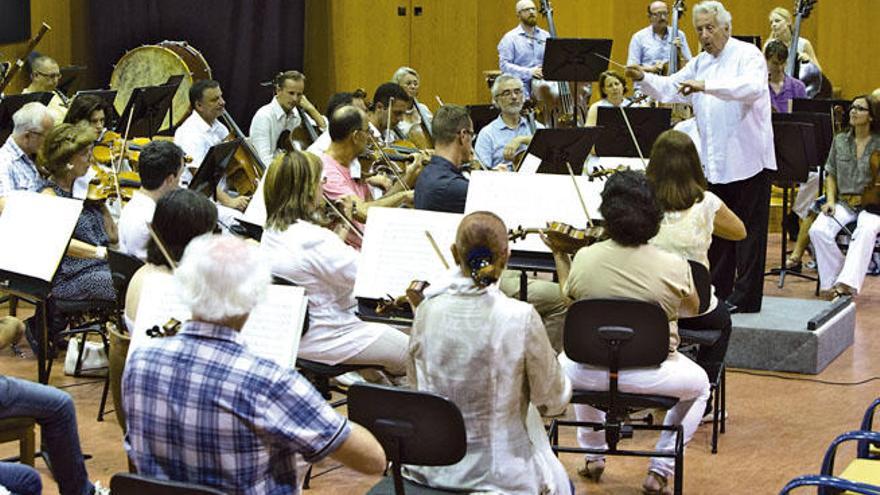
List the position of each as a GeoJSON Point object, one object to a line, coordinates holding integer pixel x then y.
{"type": "Point", "coordinates": [649, 47]}
{"type": "Point", "coordinates": [499, 142]}
{"type": "Point", "coordinates": [18, 171]}
{"type": "Point", "coordinates": [45, 75]}
{"type": "Point", "coordinates": [521, 50]}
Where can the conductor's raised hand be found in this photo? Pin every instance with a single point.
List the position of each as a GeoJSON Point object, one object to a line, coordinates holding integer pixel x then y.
{"type": "Point", "coordinates": [691, 86]}
{"type": "Point", "coordinates": [634, 72]}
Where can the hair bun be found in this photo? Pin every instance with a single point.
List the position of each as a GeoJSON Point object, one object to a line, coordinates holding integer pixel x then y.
{"type": "Point", "coordinates": [479, 260]}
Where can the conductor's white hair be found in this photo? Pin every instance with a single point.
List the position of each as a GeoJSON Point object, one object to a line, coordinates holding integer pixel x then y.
{"type": "Point", "coordinates": [221, 276]}
{"type": "Point", "coordinates": [503, 78]}
{"type": "Point", "coordinates": [29, 117]}
{"type": "Point", "coordinates": [714, 8]}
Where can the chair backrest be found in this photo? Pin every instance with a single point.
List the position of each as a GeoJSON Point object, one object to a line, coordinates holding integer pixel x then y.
{"type": "Point", "coordinates": [413, 427]}
{"type": "Point", "coordinates": [122, 268]}
{"type": "Point", "coordinates": [649, 345]}
{"type": "Point", "coordinates": [703, 284]}
{"type": "Point", "coordinates": [134, 484]}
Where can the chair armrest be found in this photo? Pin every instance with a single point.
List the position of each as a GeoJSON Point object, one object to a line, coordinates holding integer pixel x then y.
{"type": "Point", "coordinates": [859, 436]}
{"type": "Point", "coordinates": [830, 482]}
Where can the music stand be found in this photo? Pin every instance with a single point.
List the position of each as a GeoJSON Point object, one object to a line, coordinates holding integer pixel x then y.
{"type": "Point", "coordinates": [558, 147]}
{"type": "Point", "coordinates": [68, 77]}
{"type": "Point", "coordinates": [109, 96]}
{"type": "Point", "coordinates": [213, 168]}
{"type": "Point", "coordinates": [11, 104]}
{"type": "Point", "coordinates": [796, 153]}
{"type": "Point", "coordinates": [482, 115]}
{"type": "Point", "coordinates": [750, 38]}
{"type": "Point", "coordinates": [149, 105]}
{"type": "Point", "coordinates": [822, 128]}
{"type": "Point", "coordinates": [574, 59]}
{"type": "Point", "coordinates": [820, 106]}
{"type": "Point", "coordinates": [647, 125]}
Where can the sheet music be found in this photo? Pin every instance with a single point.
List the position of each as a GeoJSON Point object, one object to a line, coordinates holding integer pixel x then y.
{"type": "Point", "coordinates": [529, 165]}
{"type": "Point", "coordinates": [255, 212]}
{"type": "Point", "coordinates": [396, 250]}
{"type": "Point", "coordinates": [272, 331]}
{"type": "Point", "coordinates": [41, 226]}
{"type": "Point", "coordinates": [531, 201]}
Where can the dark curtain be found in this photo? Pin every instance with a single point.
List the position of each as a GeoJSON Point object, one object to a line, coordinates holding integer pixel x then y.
{"type": "Point", "coordinates": [244, 41]}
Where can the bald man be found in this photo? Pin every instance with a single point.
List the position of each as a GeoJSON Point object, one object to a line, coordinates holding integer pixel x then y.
{"type": "Point", "coordinates": [521, 50]}
{"type": "Point", "coordinates": [649, 47]}
{"type": "Point", "coordinates": [45, 75]}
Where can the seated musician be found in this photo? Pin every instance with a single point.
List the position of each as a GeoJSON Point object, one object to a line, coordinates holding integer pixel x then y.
{"type": "Point", "coordinates": [782, 29]}
{"type": "Point", "coordinates": [336, 100]}
{"type": "Point", "coordinates": [848, 173]}
{"type": "Point", "coordinates": [442, 187]}
{"type": "Point", "coordinates": [202, 130]}
{"type": "Point", "coordinates": [612, 88]}
{"type": "Point", "coordinates": [45, 75]}
{"type": "Point", "coordinates": [783, 88]}
{"type": "Point", "coordinates": [500, 140]}
{"type": "Point", "coordinates": [390, 103]}
{"type": "Point", "coordinates": [521, 51]}
{"type": "Point", "coordinates": [301, 249]}
{"type": "Point", "coordinates": [503, 398]}
{"type": "Point", "coordinates": [83, 274]}
{"type": "Point", "coordinates": [88, 108]}
{"type": "Point", "coordinates": [409, 80]}
{"type": "Point", "coordinates": [649, 47]}
{"type": "Point", "coordinates": [626, 266]}
{"type": "Point", "coordinates": [281, 114]}
{"type": "Point", "coordinates": [349, 134]}
{"type": "Point", "coordinates": [18, 170]}
{"type": "Point", "coordinates": [159, 166]}
{"type": "Point", "coordinates": [232, 421]}
{"type": "Point", "coordinates": [179, 216]}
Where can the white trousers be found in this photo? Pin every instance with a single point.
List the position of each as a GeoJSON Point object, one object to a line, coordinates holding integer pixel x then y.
{"type": "Point", "coordinates": [834, 268]}
{"type": "Point", "coordinates": [678, 376]}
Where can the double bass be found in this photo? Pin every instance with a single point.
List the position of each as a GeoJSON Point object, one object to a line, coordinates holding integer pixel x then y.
{"type": "Point", "coordinates": [567, 116]}
{"type": "Point", "coordinates": [675, 56]}
{"type": "Point", "coordinates": [802, 9]}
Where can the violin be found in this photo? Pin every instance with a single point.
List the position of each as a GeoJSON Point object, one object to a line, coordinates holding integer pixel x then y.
{"type": "Point", "coordinates": [336, 215]}
{"type": "Point", "coordinates": [169, 329]}
{"type": "Point", "coordinates": [109, 147]}
{"type": "Point", "coordinates": [603, 173]}
{"type": "Point", "coordinates": [566, 238]}
{"type": "Point", "coordinates": [404, 305]}
{"type": "Point", "coordinates": [871, 194]}
{"type": "Point", "coordinates": [104, 185]}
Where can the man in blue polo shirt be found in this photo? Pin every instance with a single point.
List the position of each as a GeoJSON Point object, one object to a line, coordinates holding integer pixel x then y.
{"type": "Point", "coordinates": [510, 133]}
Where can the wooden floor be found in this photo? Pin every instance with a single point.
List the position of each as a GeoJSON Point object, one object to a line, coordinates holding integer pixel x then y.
{"type": "Point", "coordinates": [777, 429]}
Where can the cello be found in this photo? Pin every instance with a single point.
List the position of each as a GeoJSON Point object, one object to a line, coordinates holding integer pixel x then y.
{"type": "Point", "coordinates": [245, 169]}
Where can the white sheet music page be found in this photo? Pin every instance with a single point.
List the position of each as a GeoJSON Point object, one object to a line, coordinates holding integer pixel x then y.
{"type": "Point", "coordinates": [396, 250]}
{"type": "Point", "coordinates": [272, 331]}
{"type": "Point", "coordinates": [41, 226]}
{"type": "Point", "coordinates": [532, 201]}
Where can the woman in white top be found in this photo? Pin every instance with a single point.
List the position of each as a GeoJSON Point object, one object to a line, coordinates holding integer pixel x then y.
{"type": "Point", "coordinates": [497, 366]}
{"type": "Point", "coordinates": [691, 216]}
{"type": "Point", "coordinates": [409, 80]}
{"type": "Point", "coordinates": [612, 87]}
{"type": "Point", "coordinates": [303, 251]}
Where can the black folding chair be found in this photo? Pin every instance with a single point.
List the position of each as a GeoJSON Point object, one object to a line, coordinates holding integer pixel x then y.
{"type": "Point", "coordinates": [134, 484]}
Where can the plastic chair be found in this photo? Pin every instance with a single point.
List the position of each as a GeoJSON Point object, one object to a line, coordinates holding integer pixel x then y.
{"type": "Point", "coordinates": [413, 427]}
{"type": "Point", "coordinates": [134, 484]}
{"type": "Point", "coordinates": [619, 334]}
{"type": "Point", "coordinates": [867, 449]}
{"type": "Point", "coordinates": [21, 430]}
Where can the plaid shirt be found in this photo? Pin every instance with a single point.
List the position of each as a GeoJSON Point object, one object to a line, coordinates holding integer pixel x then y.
{"type": "Point", "coordinates": [17, 170]}
{"type": "Point", "coordinates": [201, 408]}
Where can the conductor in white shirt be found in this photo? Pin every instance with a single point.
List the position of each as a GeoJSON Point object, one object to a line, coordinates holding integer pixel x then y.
{"type": "Point", "coordinates": [727, 86]}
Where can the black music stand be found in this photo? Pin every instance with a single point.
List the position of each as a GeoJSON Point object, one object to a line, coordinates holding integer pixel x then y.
{"type": "Point", "coordinates": [11, 104]}
{"type": "Point", "coordinates": [647, 125]}
{"type": "Point", "coordinates": [109, 97]}
{"type": "Point", "coordinates": [558, 147]}
{"type": "Point", "coordinates": [822, 106]}
{"type": "Point", "coordinates": [69, 75]}
{"type": "Point", "coordinates": [796, 153]}
{"type": "Point", "coordinates": [147, 106]}
{"type": "Point", "coordinates": [213, 168]}
{"type": "Point", "coordinates": [750, 38]}
{"type": "Point", "coordinates": [576, 60]}
{"type": "Point", "coordinates": [482, 115]}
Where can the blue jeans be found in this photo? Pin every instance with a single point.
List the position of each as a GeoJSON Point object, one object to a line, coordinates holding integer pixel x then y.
{"type": "Point", "coordinates": [20, 479]}
{"type": "Point", "coordinates": [55, 413]}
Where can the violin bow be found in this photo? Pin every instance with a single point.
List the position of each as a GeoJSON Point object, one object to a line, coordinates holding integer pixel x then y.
{"type": "Point", "coordinates": [161, 246]}
{"type": "Point", "coordinates": [633, 136]}
{"type": "Point", "coordinates": [580, 196]}
{"type": "Point", "coordinates": [436, 249]}
{"type": "Point", "coordinates": [439, 101]}
{"type": "Point", "coordinates": [388, 162]}
{"type": "Point", "coordinates": [114, 168]}
{"type": "Point", "coordinates": [348, 223]}
{"type": "Point", "coordinates": [388, 139]}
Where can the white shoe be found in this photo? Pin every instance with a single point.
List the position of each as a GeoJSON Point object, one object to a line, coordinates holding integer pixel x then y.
{"type": "Point", "coordinates": [350, 378]}
{"type": "Point", "coordinates": [707, 418]}
{"type": "Point", "coordinates": [101, 489]}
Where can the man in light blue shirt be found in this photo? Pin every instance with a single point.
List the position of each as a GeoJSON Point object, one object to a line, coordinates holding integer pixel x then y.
{"type": "Point", "coordinates": [521, 50]}
{"type": "Point", "coordinates": [510, 133]}
{"type": "Point", "coordinates": [649, 47]}
{"type": "Point", "coordinates": [18, 171]}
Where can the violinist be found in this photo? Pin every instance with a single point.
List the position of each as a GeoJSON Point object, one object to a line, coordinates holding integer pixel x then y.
{"type": "Point", "coordinates": [202, 130]}
{"type": "Point", "coordinates": [300, 249]}
{"type": "Point", "coordinates": [90, 109]}
{"type": "Point", "coordinates": [83, 274]}
{"type": "Point", "coordinates": [500, 140]}
{"type": "Point", "coordinates": [281, 114]}
{"type": "Point", "coordinates": [612, 88]}
{"type": "Point", "coordinates": [848, 173]}
{"type": "Point", "coordinates": [409, 80]}
{"type": "Point", "coordinates": [45, 75]}
{"type": "Point", "coordinates": [390, 103]}
{"type": "Point", "coordinates": [649, 47]}
{"type": "Point", "coordinates": [336, 100]}
{"type": "Point", "coordinates": [18, 169]}
{"type": "Point", "coordinates": [521, 50]}
{"type": "Point", "coordinates": [349, 132]}
{"type": "Point", "coordinates": [161, 164]}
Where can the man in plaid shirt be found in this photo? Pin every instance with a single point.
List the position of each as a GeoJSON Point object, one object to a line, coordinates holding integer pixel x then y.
{"type": "Point", "coordinates": [201, 408]}
{"type": "Point", "coordinates": [18, 171]}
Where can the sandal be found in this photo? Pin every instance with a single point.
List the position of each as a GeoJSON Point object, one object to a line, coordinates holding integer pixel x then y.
{"type": "Point", "coordinates": [793, 264]}
{"type": "Point", "coordinates": [656, 484]}
{"type": "Point", "coordinates": [593, 470]}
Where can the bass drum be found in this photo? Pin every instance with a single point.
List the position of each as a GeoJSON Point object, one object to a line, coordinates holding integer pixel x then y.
{"type": "Point", "coordinates": [152, 65]}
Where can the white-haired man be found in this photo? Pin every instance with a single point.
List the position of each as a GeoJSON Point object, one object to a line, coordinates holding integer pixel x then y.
{"type": "Point", "coordinates": [18, 171]}
{"type": "Point", "coordinates": [500, 140]}
{"type": "Point", "coordinates": [727, 86]}
{"type": "Point", "coordinates": [521, 50]}
{"type": "Point", "coordinates": [233, 420]}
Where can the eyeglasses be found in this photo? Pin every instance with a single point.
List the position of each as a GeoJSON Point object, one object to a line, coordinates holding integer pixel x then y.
{"type": "Point", "coordinates": [659, 14]}
{"type": "Point", "coordinates": [859, 108]}
{"type": "Point", "coordinates": [510, 92]}
{"type": "Point", "coordinates": [529, 9]}
{"type": "Point", "coordinates": [56, 75]}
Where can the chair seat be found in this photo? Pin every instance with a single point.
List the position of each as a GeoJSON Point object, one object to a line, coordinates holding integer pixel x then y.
{"type": "Point", "coordinates": [386, 487]}
{"type": "Point", "coordinates": [601, 400]}
{"type": "Point", "coordinates": [330, 370]}
{"type": "Point", "coordinates": [863, 471]}
{"type": "Point", "coordinates": [702, 337]}
{"type": "Point", "coordinates": [11, 428]}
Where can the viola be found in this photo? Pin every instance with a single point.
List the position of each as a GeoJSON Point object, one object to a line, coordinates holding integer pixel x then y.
{"type": "Point", "coordinates": [566, 238]}
{"type": "Point", "coordinates": [104, 185]}
{"type": "Point", "coordinates": [405, 304]}
{"type": "Point", "coordinates": [871, 194]}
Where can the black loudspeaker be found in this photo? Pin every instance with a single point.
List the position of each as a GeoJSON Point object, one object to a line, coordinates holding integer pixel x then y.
{"type": "Point", "coordinates": [15, 21]}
